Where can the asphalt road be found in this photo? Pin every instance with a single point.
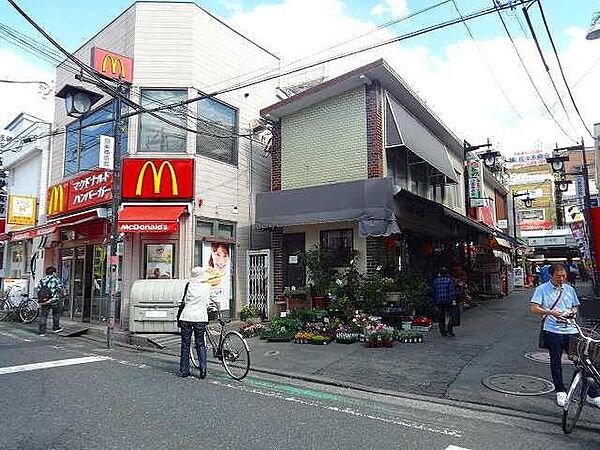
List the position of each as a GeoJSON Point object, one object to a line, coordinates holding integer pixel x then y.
{"type": "Point", "coordinates": [82, 396]}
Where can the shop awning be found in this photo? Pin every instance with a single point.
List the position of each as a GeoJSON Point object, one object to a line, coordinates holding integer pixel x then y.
{"type": "Point", "coordinates": [149, 218]}
{"type": "Point", "coordinates": [368, 202]}
{"type": "Point", "coordinates": [31, 233]}
{"type": "Point", "coordinates": [409, 132]}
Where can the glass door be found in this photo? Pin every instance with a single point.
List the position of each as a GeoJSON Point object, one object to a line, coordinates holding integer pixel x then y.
{"type": "Point", "coordinates": [99, 285]}
{"type": "Point", "coordinates": [78, 282]}
{"type": "Point", "coordinates": [66, 268]}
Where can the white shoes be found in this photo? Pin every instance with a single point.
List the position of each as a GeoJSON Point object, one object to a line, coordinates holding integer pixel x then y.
{"type": "Point", "coordinates": [561, 399]}
{"type": "Point", "coordinates": [594, 401]}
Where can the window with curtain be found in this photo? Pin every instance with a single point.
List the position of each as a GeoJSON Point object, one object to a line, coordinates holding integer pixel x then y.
{"type": "Point", "coordinates": [217, 131]}
{"type": "Point", "coordinates": [157, 135]}
{"type": "Point", "coordinates": [337, 244]}
{"type": "Point", "coordinates": [82, 145]}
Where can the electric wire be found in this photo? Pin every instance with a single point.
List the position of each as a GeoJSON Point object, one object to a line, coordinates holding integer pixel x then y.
{"type": "Point", "coordinates": [485, 61]}
{"type": "Point", "coordinates": [546, 67]}
{"type": "Point", "coordinates": [514, 45]}
{"type": "Point", "coordinates": [562, 72]}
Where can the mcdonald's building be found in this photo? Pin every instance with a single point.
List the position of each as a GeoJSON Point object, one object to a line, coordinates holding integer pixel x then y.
{"type": "Point", "coordinates": [189, 174]}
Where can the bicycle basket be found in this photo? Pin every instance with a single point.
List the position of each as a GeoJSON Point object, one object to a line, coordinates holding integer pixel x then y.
{"type": "Point", "coordinates": [576, 347]}
{"type": "Point", "coordinates": [213, 314]}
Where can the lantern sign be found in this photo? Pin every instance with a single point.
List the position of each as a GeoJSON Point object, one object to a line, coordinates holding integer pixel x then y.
{"type": "Point", "coordinates": [475, 174]}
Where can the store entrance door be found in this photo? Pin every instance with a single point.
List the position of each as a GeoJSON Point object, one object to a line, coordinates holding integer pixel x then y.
{"type": "Point", "coordinates": [293, 249]}
{"type": "Point", "coordinates": [75, 272]}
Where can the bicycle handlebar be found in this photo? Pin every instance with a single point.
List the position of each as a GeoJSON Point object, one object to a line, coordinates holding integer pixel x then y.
{"type": "Point", "coordinates": [573, 322]}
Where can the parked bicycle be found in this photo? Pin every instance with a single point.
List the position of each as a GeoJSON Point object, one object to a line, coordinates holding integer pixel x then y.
{"type": "Point", "coordinates": [584, 351]}
{"type": "Point", "coordinates": [231, 349]}
{"type": "Point", "coordinates": [27, 308]}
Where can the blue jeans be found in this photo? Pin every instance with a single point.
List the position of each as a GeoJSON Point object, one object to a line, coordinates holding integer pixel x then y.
{"type": "Point", "coordinates": [44, 317]}
{"type": "Point", "coordinates": [186, 339]}
{"type": "Point", "coordinates": [557, 344]}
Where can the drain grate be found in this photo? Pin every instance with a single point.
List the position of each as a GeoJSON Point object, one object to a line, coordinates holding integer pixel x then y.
{"type": "Point", "coordinates": [515, 384]}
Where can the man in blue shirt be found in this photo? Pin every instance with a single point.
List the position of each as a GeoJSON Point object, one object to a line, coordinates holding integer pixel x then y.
{"type": "Point", "coordinates": [545, 272]}
{"type": "Point", "coordinates": [555, 300]}
{"type": "Point", "coordinates": [443, 296]}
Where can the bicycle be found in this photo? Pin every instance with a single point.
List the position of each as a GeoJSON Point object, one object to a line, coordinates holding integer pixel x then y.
{"type": "Point", "coordinates": [27, 308]}
{"type": "Point", "coordinates": [232, 350]}
{"type": "Point", "coordinates": [584, 351]}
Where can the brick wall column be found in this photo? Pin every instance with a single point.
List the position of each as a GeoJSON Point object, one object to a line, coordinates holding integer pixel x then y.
{"type": "Point", "coordinates": [375, 253]}
{"type": "Point", "coordinates": [277, 247]}
{"type": "Point", "coordinates": [374, 130]}
{"type": "Point", "coordinates": [276, 157]}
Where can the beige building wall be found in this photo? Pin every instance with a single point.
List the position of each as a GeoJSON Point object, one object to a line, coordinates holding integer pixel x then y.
{"type": "Point", "coordinates": [181, 46]}
{"type": "Point", "coordinates": [325, 143]}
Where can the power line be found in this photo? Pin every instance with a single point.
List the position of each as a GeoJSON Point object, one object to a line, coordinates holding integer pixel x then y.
{"type": "Point", "coordinates": [561, 69]}
{"type": "Point", "coordinates": [487, 64]}
{"type": "Point", "coordinates": [546, 67]}
{"type": "Point", "coordinates": [527, 72]}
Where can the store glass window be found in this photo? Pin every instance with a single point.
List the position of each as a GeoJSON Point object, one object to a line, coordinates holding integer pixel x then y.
{"type": "Point", "coordinates": [208, 231]}
{"type": "Point", "coordinates": [82, 144]}
{"type": "Point", "coordinates": [225, 230]}
{"type": "Point", "coordinates": [157, 135]}
{"type": "Point", "coordinates": [217, 131]}
{"type": "Point", "coordinates": [337, 244]}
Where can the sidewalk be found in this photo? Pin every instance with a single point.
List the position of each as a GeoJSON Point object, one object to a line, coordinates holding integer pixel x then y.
{"type": "Point", "coordinates": [494, 338]}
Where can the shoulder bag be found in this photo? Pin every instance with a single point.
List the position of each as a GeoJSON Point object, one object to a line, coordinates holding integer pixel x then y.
{"type": "Point", "coordinates": [542, 338]}
{"type": "Point", "coordinates": [182, 305]}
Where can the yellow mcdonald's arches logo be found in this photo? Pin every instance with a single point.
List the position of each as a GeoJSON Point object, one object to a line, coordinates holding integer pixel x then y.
{"type": "Point", "coordinates": [157, 177]}
{"type": "Point", "coordinates": [115, 62]}
{"type": "Point", "coordinates": [56, 196]}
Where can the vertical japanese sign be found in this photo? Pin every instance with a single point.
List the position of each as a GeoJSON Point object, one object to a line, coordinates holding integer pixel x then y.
{"type": "Point", "coordinates": [475, 174]}
{"type": "Point", "coordinates": [107, 153]}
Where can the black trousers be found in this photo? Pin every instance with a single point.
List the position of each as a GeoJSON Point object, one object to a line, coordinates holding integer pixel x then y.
{"type": "Point", "coordinates": [444, 318]}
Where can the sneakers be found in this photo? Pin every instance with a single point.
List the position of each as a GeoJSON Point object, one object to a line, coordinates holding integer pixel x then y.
{"type": "Point", "coordinates": [561, 399]}
{"type": "Point", "coordinates": [59, 330]}
{"type": "Point", "coordinates": [42, 334]}
{"type": "Point", "coordinates": [594, 401]}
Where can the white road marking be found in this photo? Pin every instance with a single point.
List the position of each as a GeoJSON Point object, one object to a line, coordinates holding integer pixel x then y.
{"type": "Point", "coordinates": [50, 364]}
{"type": "Point", "coordinates": [454, 447]}
{"type": "Point", "coordinates": [346, 410]}
{"type": "Point", "coordinates": [13, 336]}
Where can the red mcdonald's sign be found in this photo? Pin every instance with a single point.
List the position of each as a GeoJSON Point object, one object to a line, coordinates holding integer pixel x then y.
{"type": "Point", "coordinates": [86, 189]}
{"type": "Point", "coordinates": [148, 179]}
{"type": "Point", "coordinates": [112, 65]}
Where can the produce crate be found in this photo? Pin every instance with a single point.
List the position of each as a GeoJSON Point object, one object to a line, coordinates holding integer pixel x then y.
{"type": "Point", "coordinates": [422, 328]}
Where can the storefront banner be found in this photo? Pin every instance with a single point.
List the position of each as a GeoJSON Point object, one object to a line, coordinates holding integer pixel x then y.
{"type": "Point", "coordinates": [475, 172]}
{"type": "Point", "coordinates": [152, 179]}
{"type": "Point", "coordinates": [33, 233]}
{"type": "Point", "coordinates": [159, 261]}
{"type": "Point", "coordinates": [88, 189]}
{"type": "Point", "coordinates": [147, 227]}
{"type": "Point", "coordinates": [21, 210]}
{"type": "Point", "coordinates": [112, 65]}
{"type": "Point", "coordinates": [218, 256]}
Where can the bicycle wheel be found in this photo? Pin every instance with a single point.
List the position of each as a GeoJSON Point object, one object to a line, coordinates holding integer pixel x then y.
{"type": "Point", "coordinates": [4, 309]}
{"type": "Point", "coordinates": [28, 310]}
{"type": "Point", "coordinates": [235, 355]}
{"type": "Point", "coordinates": [575, 399]}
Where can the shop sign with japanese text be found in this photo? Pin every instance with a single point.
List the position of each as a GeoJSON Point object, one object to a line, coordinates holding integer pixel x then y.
{"type": "Point", "coordinates": [475, 173]}
{"type": "Point", "coordinates": [88, 189]}
{"type": "Point", "coordinates": [153, 179]}
{"type": "Point", "coordinates": [21, 210]}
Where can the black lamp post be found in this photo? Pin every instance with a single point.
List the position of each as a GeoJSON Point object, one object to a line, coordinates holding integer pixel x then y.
{"type": "Point", "coordinates": [527, 202]}
{"type": "Point", "coordinates": [79, 102]}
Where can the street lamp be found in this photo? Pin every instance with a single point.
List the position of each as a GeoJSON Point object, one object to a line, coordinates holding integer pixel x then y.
{"type": "Point", "coordinates": [490, 158]}
{"type": "Point", "coordinates": [562, 185]}
{"type": "Point", "coordinates": [594, 31]}
{"type": "Point", "coordinates": [527, 202]}
{"type": "Point", "coordinates": [78, 101]}
{"type": "Point", "coordinates": [557, 163]}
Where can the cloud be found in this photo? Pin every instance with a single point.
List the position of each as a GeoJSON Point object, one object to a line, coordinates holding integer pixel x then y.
{"type": "Point", "coordinates": [395, 8]}
{"type": "Point", "coordinates": [454, 80]}
{"type": "Point", "coordinates": [18, 98]}
{"type": "Point", "coordinates": [232, 6]}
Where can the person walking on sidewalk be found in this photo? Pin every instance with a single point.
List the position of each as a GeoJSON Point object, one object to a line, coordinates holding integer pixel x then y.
{"type": "Point", "coordinates": [555, 300]}
{"type": "Point", "coordinates": [545, 272]}
{"type": "Point", "coordinates": [49, 292]}
{"type": "Point", "coordinates": [194, 318]}
{"type": "Point", "coordinates": [443, 296]}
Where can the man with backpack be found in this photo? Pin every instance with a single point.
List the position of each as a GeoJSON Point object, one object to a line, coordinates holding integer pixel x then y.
{"type": "Point", "coordinates": [49, 291]}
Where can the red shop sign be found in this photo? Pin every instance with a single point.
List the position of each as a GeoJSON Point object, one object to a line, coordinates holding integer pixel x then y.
{"type": "Point", "coordinates": [85, 190]}
{"type": "Point", "coordinates": [152, 179]}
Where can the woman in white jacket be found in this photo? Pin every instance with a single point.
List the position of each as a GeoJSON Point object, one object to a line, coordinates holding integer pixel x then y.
{"type": "Point", "coordinates": [194, 317]}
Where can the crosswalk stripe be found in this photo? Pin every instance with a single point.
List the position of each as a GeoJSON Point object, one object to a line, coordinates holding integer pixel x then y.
{"type": "Point", "coordinates": [50, 364]}
{"type": "Point", "coordinates": [454, 447]}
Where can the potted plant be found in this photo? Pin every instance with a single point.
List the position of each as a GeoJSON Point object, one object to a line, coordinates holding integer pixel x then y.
{"type": "Point", "coordinates": [250, 313]}
{"type": "Point", "coordinates": [392, 295]}
{"type": "Point", "coordinates": [319, 272]}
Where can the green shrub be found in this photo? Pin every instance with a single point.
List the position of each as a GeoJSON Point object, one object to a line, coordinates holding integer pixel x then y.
{"type": "Point", "coordinates": [249, 311]}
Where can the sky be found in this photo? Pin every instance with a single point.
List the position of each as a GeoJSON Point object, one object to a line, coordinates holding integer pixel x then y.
{"type": "Point", "coordinates": [476, 85]}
